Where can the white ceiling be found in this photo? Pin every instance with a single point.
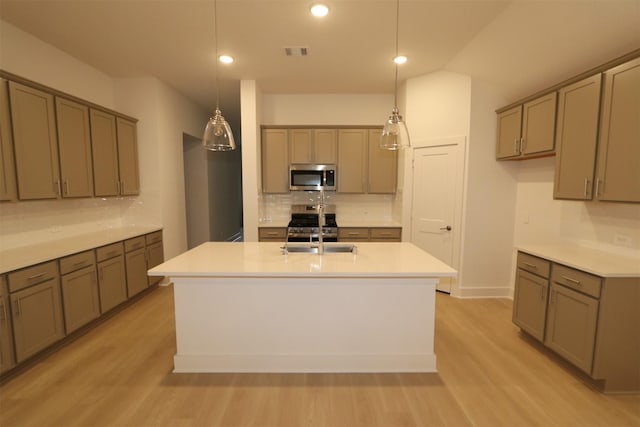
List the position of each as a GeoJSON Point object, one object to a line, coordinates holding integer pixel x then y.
{"type": "Point", "coordinates": [517, 46]}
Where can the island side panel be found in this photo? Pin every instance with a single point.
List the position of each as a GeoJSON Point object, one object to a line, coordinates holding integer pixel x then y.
{"type": "Point", "coordinates": [305, 324]}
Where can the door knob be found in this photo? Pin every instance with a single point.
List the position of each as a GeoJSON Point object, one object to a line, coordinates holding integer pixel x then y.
{"type": "Point", "coordinates": [448, 228]}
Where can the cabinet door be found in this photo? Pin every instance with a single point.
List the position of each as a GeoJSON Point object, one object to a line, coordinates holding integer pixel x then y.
{"type": "Point", "coordinates": [509, 123]}
{"type": "Point", "coordinates": [619, 153]}
{"type": "Point", "coordinates": [34, 138]}
{"type": "Point", "coordinates": [530, 303]}
{"type": "Point", "coordinates": [7, 169]}
{"type": "Point", "coordinates": [105, 153]}
{"type": "Point", "coordinates": [112, 283]}
{"type": "Point", "coordinates": [571, 326]}
{"type": "Point", "coordinates": [128, 157]}
{"type": "Point", "coordinates": [155, 256]}
{"type": "Point", "coordinates": [7, 360]}
{"type": "Point", "coordinates": [325, 146]}
{"type": "Point", "coordinates": [576, 139]}
{"type": "Point", "coordinates": [275, 161]}
{"type": "Point", "coordinates": [136, 266]}
{"type": "Point", "coordinates": [80, 298]}
{"type": "Point", "coordinates": [37, 318]}
{"type": "Point", "coordinates": [538, 125]}
{"type": "Point", "coordinates": [352, 160]}
{"type": "Point", "coordinates": [301, 146]}
{"type": "Point", "coordinates": [383, 166]}
{"type": "Point", "coordinates": [74, 144]}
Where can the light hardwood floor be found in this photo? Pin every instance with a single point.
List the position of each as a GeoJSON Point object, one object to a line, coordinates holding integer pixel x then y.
{"type": "Point", "coordinates": [489, 375]}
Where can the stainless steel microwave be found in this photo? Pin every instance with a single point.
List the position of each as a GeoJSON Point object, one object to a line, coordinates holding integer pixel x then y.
{"type": "Point", "coordinates": [307, 177]}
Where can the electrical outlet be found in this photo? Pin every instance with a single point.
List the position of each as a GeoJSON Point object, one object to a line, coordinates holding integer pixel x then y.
{"type": "Point", "coordinates": [622, 240]}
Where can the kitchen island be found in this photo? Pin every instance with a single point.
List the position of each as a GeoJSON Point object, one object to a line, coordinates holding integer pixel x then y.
{"type": "Point", "coordinates": [247, 307]}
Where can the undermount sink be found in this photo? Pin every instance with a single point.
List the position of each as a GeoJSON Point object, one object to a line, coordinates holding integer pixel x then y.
{"type": "Point", "coordinates": [314, 249]}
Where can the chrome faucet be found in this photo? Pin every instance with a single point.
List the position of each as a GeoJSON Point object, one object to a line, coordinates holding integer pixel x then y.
{"type": "Point", "coordinates": [321, 222]}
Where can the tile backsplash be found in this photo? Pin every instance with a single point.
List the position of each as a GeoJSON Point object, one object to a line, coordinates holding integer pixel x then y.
{"type": "Point", "coordinates": [349, 207]}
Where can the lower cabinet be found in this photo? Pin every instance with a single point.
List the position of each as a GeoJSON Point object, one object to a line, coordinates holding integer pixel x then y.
{"type": "Point", "coordinates": [272, 234]}
{"type": "Point", "coordinates": [7, 359]}
{"type": "Point", "coordinates": [155, 254]}
{"type": "Point", "coordinates": [591, 321]}
{"type": "Point", "coordinates": [366, 234]}
{"type": "Point", "coordinates": [79, 290]}
{"type": "Point", "coordinates": [112, 282]}
{"type": "Point", "coordinates": [37, 318]}
{"type": "Point", "coordinates": [136, 265]}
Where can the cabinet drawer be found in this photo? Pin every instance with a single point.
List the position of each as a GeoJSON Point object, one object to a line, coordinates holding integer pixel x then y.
{"type": "Point", "coordinates": [534, 264]}
{"type": "Point", "coordinates": [109, 251]}
{"type": "Point", "coordinates": [386, 233]}
{"type": "Point", "coordinates": [353, 233]}
{"type": "Point", "coordinates": [133, 244]}
{"type": "Point", "coordinates": [32, 275]}
{"type": "Point", "coordinates": [76, 262]}
{"type": "Point", "coordinates": [152, 238]}
{"type": "Point", "coordinates": [576, 279]}
{"type": "Point", "coordinates": [272, 233]}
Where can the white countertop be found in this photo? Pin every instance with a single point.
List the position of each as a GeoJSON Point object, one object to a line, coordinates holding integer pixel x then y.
{"type": "Point", "coordinates": [25, 256]}
{"type": "Point", "coordinates": [603, 264]}
{"type": "Point", "coordinates": [265, 259]}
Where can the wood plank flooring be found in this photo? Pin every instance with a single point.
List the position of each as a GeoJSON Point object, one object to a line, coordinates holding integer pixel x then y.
{"type": "Point", "coordinates": [119, 374]}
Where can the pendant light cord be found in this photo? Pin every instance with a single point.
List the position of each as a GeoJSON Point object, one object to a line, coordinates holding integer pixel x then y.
{"type": "Point", "coordinates": [215, 34]}
{"type": "Point", "coordinates": [395, 91]}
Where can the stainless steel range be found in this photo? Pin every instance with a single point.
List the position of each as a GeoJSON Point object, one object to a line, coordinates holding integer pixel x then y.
{"type": "Point", "coordinates": [304, 224]}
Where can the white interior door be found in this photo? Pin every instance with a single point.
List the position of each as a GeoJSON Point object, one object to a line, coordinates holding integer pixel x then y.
{"type": "Point", "coordinates": [435, 175]}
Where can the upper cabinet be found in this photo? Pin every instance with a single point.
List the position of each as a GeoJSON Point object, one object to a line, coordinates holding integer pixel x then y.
{"type": "Point", "coordinates": [618, 177]}
{"type": "Point", "coordinates": [382, 166]}
{"type": "Point", "coordinates": [56, 146]}
{"type": "Point", "coordinates": [576, 139]}
{"type": "Point", "coordinates": [74, 144]}
{"type": "Point", "coordinates": [527, 130]}
{"type": "Point", "coordinates": [313, 146]}
{"type": "Point", "coordinates": [35, 142]}
{"type": "Point", "coordinates": [7, 168]}
{"type": "Point", "coordinates": [275, 161]}
{"type": "Point", "coordinates": [352, 160]}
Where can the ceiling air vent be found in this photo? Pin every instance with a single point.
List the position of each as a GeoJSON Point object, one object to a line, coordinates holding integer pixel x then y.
{"type": "Point", "coordinates": [296, 51]}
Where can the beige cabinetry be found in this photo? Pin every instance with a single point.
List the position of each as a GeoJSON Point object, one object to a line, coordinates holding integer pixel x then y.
{"type": "Point", "coordinates": [115, 155]}
{"type": "Point", "coordinates": [576, 139]}
{"type": "Point", "coordinates": [352, 160]}
{"type": "Point", "coordinates": [74, 145]}
{"type": "Point", "coordinates": [7, 168]}
{"type": "Point", "coordinates": [275, 161]}
{"type": "Point", "coordinates": [367, 234]}
{"type": "Point", "coordinates": [382, 167]}
{"type": "Point", "coordinates": [127, 157]}
{"type": "Point", "coordinates": [591, 321]}
{"type": "Point", "coordinates": [530, 294]}
{"type": "Point", "coordinates": [527, 130]}
{"type": "Point", "coordinates": [272, 234]}
{"type": "Point", "coordinates": [36, 308]}
{"type": "Point", "coordinates": [618, 173]}
{"type": "Point", "coordinates": [112, 282]}
{"type": "Point", "coordinates": [7, 359]}
{"type": "Point", "coordinates": [313, 146]}
{"type": "Point", "coordinates": [155, 254]}
{"type": "Point", "coordinates": [79, 290]}
{"type": "Point", "coordinates": [136, 265]}
{"type": "Point", "coordinates": [35, 143]}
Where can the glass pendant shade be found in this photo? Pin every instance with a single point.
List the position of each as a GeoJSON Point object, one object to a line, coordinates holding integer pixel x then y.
{"type": "Point", "coordinates": [218, 135]}
{"type": "Point", "coordinates": [395, 134]}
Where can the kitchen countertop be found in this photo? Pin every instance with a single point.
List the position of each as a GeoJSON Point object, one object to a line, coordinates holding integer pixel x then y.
{"type": "Point", "coordinates": [265, 259]}
{"type": "Point", "coordinates": [600, 263]}
{"type": "Point", "coordinates": [25, 256]}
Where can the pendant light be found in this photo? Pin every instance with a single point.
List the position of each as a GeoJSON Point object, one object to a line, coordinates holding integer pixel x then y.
{"type": "Point", "coordinates": [217, 134]}
{"type": "Point", "coordinates": [395, 134]}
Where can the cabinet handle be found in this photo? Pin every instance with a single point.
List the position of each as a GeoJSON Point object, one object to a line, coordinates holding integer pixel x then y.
{"type": "Point", "coordinates": [573, 281]}
{"type": "Point", "coordinates": [18, 307]}
{"type": "Point", "coordinates": [121, 187]}
{"type": "Point", "coordinates": [597, 187]}
{"type": "Point", "coordinates": [586, 187]}
{"type": "Point", "coordinates": [535, 267]}
{"type": "Point", "coordinates": [552, 298]}
{"type": "Point", "coordinates": [35, 276]}
{"type": "Point", "coordinates": [542, 292]}
{"type": "Point", "coordinates": [515, 146]}
{"type": "Point", "coordinates": [56, 187]}
{"type": "Point", "coordinates": [66, 187]}
{"type": "Point", "coordinates": [523, 143]}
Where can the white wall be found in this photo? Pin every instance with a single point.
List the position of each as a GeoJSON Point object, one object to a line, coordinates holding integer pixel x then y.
{"type": "Point", "coordinates": [251, 113]}
{"type": "Point", "coordinates": [164, 115]}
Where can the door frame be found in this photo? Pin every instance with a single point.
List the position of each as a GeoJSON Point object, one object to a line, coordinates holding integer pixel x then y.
{"type": "Point", "coordinates": [406, 191]}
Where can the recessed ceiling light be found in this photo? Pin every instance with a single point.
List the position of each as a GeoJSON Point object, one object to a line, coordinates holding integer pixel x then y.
{"type": "Point", "coordinates": [400, 59]}
{"type": "Point", "coordinates": [319, 10]}
{"type": "Point", "coordinates": [226, 59]}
